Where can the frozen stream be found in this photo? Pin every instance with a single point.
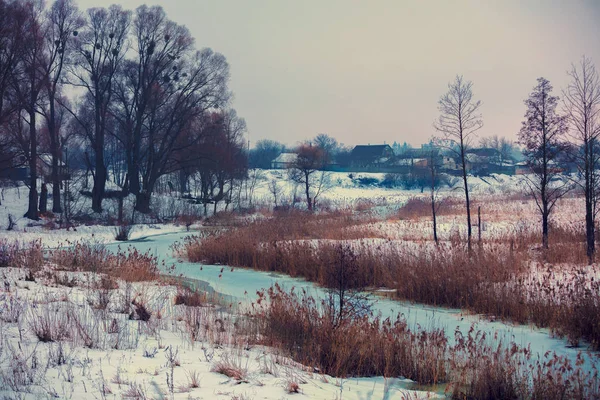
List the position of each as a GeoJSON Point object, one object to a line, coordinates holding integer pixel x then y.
{"type": "Point", "coordinates": [242, 285]}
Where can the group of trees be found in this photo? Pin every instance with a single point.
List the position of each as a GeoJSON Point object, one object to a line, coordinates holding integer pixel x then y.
{"type": "Point", "coordinates": [266, 150]}
{"type": "Point", "coordinates": [554, 133]}
{"type": "Point", "coordinates": [128, 87]}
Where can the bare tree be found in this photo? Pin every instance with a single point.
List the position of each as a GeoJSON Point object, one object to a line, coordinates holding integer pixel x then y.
{"type": "Point", "coordinates": [159, 45]}
{"type": "Point", "coordinates": [460, 118]}
{"type": "Point", "coordinates": [581, 101]}
{"type": "Point", "coordinates": [502, 145]}
{"type": "Point", "coordinates": [346, 299]}
{"type": "Point", "coordinates": [13, 25]}
{"type": "Point", "coordinates": [328, 144]}
{"type": "Point", "coordinates": [434, 165]}
{"type": "Point", "coordinates": [305, 171]}
{"type": "Point", "coordinates": [29, 79]}
{"type": "Point", "coordinates": [100, 49]}
{"type": "Point", "coordinates": [543, 137]}
{"type": "Point", "coordinates": [201, 85]}
{"type": "Point", "coordinates": [264, 152]}
{"type": "Point", "coordinates": [275, 190]}
{"type": "Point", "coordinates": [62, 22]}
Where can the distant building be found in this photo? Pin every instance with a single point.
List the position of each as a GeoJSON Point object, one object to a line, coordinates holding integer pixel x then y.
{"type": "Point", "coordinates": [45, 168]}
{"type": "Point", "coordinates": [522, 168]}
{"type": "Point", "coordinates": [371, 155]}
{"type": "Point", "coordinates": [284, 160]}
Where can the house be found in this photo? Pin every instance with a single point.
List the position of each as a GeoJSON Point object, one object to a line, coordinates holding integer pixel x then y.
{"type": "Point", "coordinates": [45, 168]}
{"type": "Point", "coordinates": [449, 163]}
{"type": "Point", "coordinates": [284, 160]}
{"type": "Point", "coordinates": [410, 162]}
{"type": "Point", "coordinates": [522, 168]}
{"type": "Point", "coordinates": [482, 161]}
{"type": "Point", "coordinates": [371, 155]}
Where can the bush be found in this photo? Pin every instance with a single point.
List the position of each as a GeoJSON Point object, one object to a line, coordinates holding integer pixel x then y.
{"type": "Point", "coordinates": [122, 232]}
{"type": "Point", "coordinates": [367, 181]}
{"type": "Point", "coordinates": [189, 298]}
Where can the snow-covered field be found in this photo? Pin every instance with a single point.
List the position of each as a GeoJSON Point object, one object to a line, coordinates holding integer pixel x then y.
{"type": "Point", "coordinates": [138, 359]}
{"type": "Point", "coordinates": [146, 359]}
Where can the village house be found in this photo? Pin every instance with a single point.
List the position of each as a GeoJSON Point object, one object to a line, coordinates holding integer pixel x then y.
{"type": "Point", "coordinates": [284, 160]}
{"type": "Point", "coordinates": [369, 156]}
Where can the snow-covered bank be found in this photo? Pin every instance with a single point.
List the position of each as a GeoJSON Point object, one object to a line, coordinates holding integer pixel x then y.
{"type": "Point", "coordinates": [243, 284]}
{"type": "Point", "coordinates": [104, 353]}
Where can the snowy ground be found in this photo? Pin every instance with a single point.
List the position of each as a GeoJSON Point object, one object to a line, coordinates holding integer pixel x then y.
{"type": "Point", "coordinates": [106, 354]}
{"type": "Point", "coordinates": [108, 372]}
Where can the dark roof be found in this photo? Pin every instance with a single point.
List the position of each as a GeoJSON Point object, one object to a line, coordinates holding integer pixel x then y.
{"type": "Point", "coordinates": [371, 151]}
{"type": "Point", "coordinates": [484, 152]}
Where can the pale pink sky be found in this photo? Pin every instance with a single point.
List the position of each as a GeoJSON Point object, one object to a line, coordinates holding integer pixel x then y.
{"type": "Point", "coordinates": [372, 71]}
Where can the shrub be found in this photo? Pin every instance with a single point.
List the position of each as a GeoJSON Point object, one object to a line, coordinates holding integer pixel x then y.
{"type": "Point", "coordinates": [231, 367]}
{"type": "Point", "coordinates": [122, 232]}
{"type": "Point", "coordinates": [140, 311]}
{"type": "Point", "coordinates": [48, 323]}
{"type": "Point", "coordinates": [17, 255]}
{"type": "Point", "coordinates": [189, 298]}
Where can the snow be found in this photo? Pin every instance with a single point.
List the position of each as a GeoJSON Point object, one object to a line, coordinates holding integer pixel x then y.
{"type": "Point", "coordinates": [152, 351]}
{"type": "Point", "coordinates": [91, 366]}
{"type": "Point", "coordinates": [242, 284]}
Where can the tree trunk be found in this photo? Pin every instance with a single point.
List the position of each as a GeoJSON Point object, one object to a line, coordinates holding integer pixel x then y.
{"type": "Point", "coordinates": [183, 181]}
{"type": "Point", "coordinates": [545, 217]}
{"type": "Point", "coordinates": [467, 201]}
{"type": "Point", "coordinates": [44, 199]}
{"type": "Point", "coordinates": [479, 224]}
{"type": "Point", "coordinates": [100, 175]}
{"type": "Point", "coordinates": [55, 153]}
{"type": "Point", "coordinates": [435, 237]}
{"type": "Point", "coordinates": [589, 229]}
{"type": "Point", "coordinates": [307, 189]}
{"type": "Point", "coordinates": [99, 181]}
{"type": "Point", "coordinates": [134, 175]}
{"type": "Point", "coordinates": [142, 201]}
{"type": "Point", "coordinates": [32, 211]}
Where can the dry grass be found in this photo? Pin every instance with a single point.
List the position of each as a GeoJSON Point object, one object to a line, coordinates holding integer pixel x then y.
{"type": "Point", "coordinates": [356, 347]}
{"type": "Point", "coordinates": [473, 368]}
{"type": "Point", "coordinates": [130, 265]}
{"type": "Point", "coordinates": [21, 255]}
{"type": "Point", "coordinates": [503, 278]}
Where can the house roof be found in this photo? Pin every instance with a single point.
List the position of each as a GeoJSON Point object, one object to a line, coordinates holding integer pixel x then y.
{"type": "Point", "coordinates": [286, 158]}
{"type": "Point", "coordinates": [370, 151]}
{"type": "Point", "coordinates": [484, 152]}
{"type": "Point", "coordinates": [47, 159]}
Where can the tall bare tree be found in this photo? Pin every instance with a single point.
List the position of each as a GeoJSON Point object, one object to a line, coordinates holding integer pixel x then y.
{"type": "Point", "coordinates": [100, 49]}
{"type": "Point", "coordinates": [159, 45]}
{"type": "Point", "coordinates": [434, 165]}
{"type": "Point", "coordinates": [13, 24]}
{"type": "Point", "coordinates": [543, 137]}
{"type": "Point", "coordinates": [460, 118]}
{"type": "Point", "coordinates": [62, 22]}
{"type": "Point", "coordinates": [29, 79]}
{"type": "Point", "coordinates": [581, 101]}
{"type": "Point", "coordinates": [198, 85]}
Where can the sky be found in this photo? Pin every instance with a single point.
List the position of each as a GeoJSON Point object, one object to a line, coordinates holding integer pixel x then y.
{"type": "Point", "coordinates": [372, 72]}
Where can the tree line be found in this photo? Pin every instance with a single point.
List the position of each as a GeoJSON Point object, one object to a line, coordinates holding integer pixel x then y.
{"type": "Point", "coordinates": [126, 90]}
{"type": "Point", "coordinates": [555, 132]}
